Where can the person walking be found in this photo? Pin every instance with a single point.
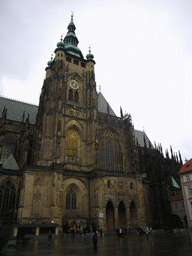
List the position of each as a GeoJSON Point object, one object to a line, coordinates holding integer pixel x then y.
{"type": "Point", "coordinates": [147, 232]}
{"type": "Point", "coordinates": [95, 238]}
{"type": "Point", "coordinates": [49, 237]}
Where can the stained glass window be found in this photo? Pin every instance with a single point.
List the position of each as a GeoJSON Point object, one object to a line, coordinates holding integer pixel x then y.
{"type": "Point", "coordinates": [72, 143]}
{"type": "Point", "coordinates": [110, 153]}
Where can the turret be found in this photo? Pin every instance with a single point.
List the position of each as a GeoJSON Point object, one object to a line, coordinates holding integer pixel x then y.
{"type": "Point", "coordinates": [90, 61]}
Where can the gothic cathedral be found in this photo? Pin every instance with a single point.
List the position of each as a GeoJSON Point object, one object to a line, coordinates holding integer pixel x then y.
{"type": "Point", "coordinates": [70, 160]}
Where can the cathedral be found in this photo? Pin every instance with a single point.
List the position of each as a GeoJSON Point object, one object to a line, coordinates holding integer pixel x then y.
{"type": "Point", "coordinates": [71, 161]}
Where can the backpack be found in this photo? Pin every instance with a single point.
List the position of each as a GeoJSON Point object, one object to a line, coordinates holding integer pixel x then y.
{"type": "Point", "coordinates": [95, 237]}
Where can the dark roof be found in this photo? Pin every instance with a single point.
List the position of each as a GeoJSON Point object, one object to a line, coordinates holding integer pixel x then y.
{"type": "Point", "coordinates": [187, 167]}
{"type": "Point", "coordinates": [15, 110]}
{"type": "Point", "coordinates": [139, 137]}
{"type": "Point", "coordinates": [102, 105]}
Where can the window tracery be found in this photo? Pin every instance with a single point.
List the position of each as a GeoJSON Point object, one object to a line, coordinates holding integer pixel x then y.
{"type": "Point", "coordinates": [71, 199]}
{"type": "Point", "coordinates": [7, 199]}
{"type": "Point", "coordinates": [9, 146]}
{"type": "Point", "coordinates": [110, 153]}
{"type": "Point", "coordinates": [73, 96]}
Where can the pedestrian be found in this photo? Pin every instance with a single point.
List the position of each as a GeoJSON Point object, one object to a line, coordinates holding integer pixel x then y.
{"type": "Point", "coordinates": [73, 232]}
{"type": "Point", "coordinates": [95, 238]}
{"type": "Point", "coordinates": [49, 237]}
{"type": "Point", "coordinates": [147, 232]}
{"type": "Point", "coordinates": [84, 231]}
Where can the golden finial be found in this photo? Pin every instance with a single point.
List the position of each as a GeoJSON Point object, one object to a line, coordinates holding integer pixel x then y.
{"type": "Point", "coordinates": [71, 14]}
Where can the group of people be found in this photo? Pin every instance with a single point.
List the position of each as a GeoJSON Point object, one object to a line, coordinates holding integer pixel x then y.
{"type": "Point", "coordinates": [94, 238]}
{"type": "Point", "coordinates": [145, 230]}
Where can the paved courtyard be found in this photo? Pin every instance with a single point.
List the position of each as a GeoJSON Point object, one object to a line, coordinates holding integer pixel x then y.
{"type": "Point", "coordinates": [108, 245]}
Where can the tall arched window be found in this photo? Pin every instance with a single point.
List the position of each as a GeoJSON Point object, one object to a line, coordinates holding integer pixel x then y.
{"type": "Point", "coordinates": [110, 154]}
{"type": "Point", "coordinates": [9, 147]}
{"type": "Point", "coordinates": [7, 199]}
{"type": "Point", "coordinates": [71, 199]}
{"type": "Point", "coordinates": [72, 143]}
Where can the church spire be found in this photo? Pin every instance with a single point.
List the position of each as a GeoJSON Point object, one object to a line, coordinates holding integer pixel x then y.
{"type": "Point", "coordinates": [70, 38]}
{"type": "Point", "coordinates": [71, 41]}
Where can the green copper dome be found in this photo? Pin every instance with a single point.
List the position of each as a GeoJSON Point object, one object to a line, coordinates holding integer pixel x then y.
{"type": "Point", "coordinates": [70, 38]}
{"type": "Point", "coordinates": [49, 63]}
{"type": "Point", "coordinates": [89, 56]}
{"type": "Point", "coordinates": [60, 44]}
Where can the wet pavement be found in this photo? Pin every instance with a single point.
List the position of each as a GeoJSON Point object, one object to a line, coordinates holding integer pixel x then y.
{"type": "Point", "coordinates": [158, 244]}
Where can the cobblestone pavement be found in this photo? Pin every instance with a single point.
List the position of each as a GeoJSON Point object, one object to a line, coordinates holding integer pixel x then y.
{"type": "Point", "coordinates": [108, 245]}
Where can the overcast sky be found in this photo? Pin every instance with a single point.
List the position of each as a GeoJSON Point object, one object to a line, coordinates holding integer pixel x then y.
{"type": "Point", "coordinates": [142, 49]}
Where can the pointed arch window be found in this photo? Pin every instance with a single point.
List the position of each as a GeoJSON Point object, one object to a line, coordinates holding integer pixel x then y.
{"type": "Point", "coordinates": [7, 199]}
{"type": "Point", "coordinates": [9, 147]}
{"type": "Point", "coordinates": [71, 200]}
{"type": "Point", "coordinates": [109, 156]}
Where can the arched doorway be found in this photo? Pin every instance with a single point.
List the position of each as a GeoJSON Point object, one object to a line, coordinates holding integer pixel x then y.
{"type": "Point", "coordinates": [133, 211]}
{"type": "Point", "coordinates": [133, 215]}
{"type": "Point", "coordinates": [110, 216]}
{"type": "Point", "coordinates": [122, 214]}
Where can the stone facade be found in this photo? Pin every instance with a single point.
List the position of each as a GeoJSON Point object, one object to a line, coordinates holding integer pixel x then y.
{"type": "Point", "coordinates": [77, 163]}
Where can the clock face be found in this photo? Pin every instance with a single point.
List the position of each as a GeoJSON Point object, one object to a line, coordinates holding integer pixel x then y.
{"type": "Point", "coordinates": [74, 84]}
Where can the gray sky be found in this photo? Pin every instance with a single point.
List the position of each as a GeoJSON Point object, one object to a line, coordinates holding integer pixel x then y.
{"type": "Point", "coordinates": [142, 49]}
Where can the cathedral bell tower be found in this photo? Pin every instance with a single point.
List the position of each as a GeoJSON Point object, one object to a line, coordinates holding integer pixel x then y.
{"type": "Point", "coordinates": [68, 107]}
